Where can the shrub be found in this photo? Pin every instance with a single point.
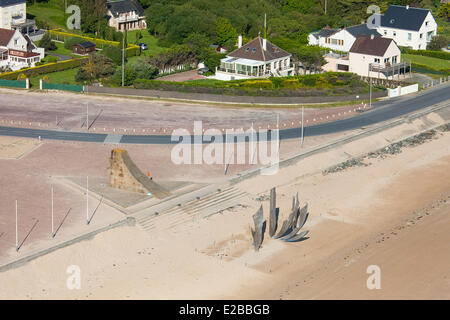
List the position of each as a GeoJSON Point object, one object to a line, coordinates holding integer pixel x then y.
{"type": "Point", "coordinates": [69, 43]}
{"type": "Point", "coordinates": [113, 53]}
{"type": "Point", "coordinates": [47, 43]}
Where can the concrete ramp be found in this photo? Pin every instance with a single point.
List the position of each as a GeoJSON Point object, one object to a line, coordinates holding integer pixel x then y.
{"type": "Point", "coordinates": [125, 175]}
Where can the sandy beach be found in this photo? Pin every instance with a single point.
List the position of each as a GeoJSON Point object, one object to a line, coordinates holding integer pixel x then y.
{"type": "Point", "coordinates": [392, 212]}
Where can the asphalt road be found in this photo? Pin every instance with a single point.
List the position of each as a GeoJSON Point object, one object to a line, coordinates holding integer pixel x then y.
{"type": "Point", "coordinates": [384, 110]}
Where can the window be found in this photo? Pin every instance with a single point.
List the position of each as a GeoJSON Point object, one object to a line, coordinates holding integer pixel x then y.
{"type": "Point", "coordinates": [386, 60]}
{"type": "Point", "coordinates": [333, 41]}
{"type": "Point", "coordinates": [426, 23]}
{"type": "Point", "coordinates": [376, 60]}
{"type": "Point", "coordinates": [385, 32]}
{"type": "Point", "coordinates": [420, 35]}
{"type": "Point", "coordinates": [394, 59]}
{"type": "Point", "coordinates": [409, 36]}
{"type": "Point", "coordinates": [394, 33]}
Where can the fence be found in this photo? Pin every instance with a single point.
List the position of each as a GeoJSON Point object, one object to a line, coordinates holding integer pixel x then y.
{"type": "Point", "coordinates": [24, 84]}
{"type": "Point", "coordinates": [59, 86]}
{"type": "Point", "coordinates": [132, 50]}
{"type": "Point", "coordinates": [400, 91]}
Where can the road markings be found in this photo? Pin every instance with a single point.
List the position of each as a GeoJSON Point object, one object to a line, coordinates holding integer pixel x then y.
{"type": "Point", "coordinates": [113, 138]}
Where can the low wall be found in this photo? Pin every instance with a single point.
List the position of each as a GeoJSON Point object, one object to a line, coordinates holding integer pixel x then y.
{"type": "Point", "coordinates": [400, 91]}
{"type": "Point", "coordinates": [231, 99]}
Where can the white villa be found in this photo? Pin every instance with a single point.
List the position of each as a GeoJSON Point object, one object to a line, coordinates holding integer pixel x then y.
{"type": "Point", "coordinates": [340, 39]}
{"type": "Point", "coordinates": [18, 51]}
{"type": "Point", "coordinates": [409, 27]}
{"type": "Point", "coordinates": [258, 58]}
{"type": "Point", "coordinates": [370, 56]}
{"type": "Point", "coordinates": [126, 15]}
{"type": "Point", "coordinates": [13, 16]}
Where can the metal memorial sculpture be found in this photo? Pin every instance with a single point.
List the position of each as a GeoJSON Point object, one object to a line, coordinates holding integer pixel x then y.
{"type": "Point", "coordinates": [260, 226]}
{"type": "Point", "coordinates": [290, 228]}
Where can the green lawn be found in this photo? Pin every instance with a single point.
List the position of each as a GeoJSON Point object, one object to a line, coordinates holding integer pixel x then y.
{"type": "Point", "coordinates": [434, 63]}
{"type": "Point", "coordinates": [66, 76]}
{"type": "Point", "coordinates": [149, 40]}
{"type": "Point", "coordinates": [48, 12]}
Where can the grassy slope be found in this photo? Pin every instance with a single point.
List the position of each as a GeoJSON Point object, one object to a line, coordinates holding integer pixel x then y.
{"type": "Point", "coordinates": [428, 61]}
{"type": "Point", "coordinates": [66, 76]}
{"type": "Point", "coordinates": [149, 40]}
{"type": "Point", "coordinates": [48, 12]}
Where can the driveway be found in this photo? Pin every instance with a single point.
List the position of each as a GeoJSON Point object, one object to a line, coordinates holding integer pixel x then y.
{"type": "Point", "coordinates": [183, 76]}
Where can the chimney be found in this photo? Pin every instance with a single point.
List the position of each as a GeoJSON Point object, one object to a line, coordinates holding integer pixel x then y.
{"type": "Point", "coordinates": [240, 41]}
{"type": "Point", "coordinates": [407, 6]}
{"type": "Point", "coordinates": [264, 44]}
{"type": "Point", "coordinates": [372, 36]}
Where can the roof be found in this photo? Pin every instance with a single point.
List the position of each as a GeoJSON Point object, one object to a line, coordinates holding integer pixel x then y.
{"type": "Point", "coordinates": [324, 33]}
{"type": "Point", "coordinates": [86, 44]}
{"type": "Point", "coordinates": [253, 50]}
{"type": "Point", "coordinates": [374, 46]}
{"type": "Point", "coordinates": [5, 3]}
{"type": "Point", "coordinates": [30, 44]}
{"type": "Point", "coordinates": [407, 18]}
{"type": "Point", "coordinates": [362, 29]}
{"type": "Point", "coordinates": [5, 36]}
{"type": "Point", "coordinates": [123, 6]}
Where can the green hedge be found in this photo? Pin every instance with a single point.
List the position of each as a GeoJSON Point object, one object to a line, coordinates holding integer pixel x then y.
{"type": "Point", "coordinates": [332, 83]}
{"type": "Point", "coordinates": [46, 68]}
{"type": "Point", "coordinates": [428, 53]}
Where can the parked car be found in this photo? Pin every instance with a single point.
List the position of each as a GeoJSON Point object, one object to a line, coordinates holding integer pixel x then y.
{"type": "Point", "coordinates": [202, 71]}
{"type": "Point", "coordinates": [143, 46]}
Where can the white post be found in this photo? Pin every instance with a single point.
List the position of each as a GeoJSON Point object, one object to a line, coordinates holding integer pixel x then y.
{"type": "Point", "coordinates": [87, 199]}
{"type": "Point", "coordinates": [17, 241]}
{"type": "Point", "coordinates": [53, 232]}
{"type": "Point", "coordinates": [87, 115]}
{"type": "Point", "coordinates": [303, 120]}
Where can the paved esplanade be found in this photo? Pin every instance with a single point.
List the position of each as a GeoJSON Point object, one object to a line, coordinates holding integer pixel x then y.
{"type": "Point", "coordinates": [384, 110]}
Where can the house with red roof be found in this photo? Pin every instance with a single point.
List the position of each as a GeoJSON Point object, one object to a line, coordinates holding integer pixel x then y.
{"type": "Point", "coordinates": [18, 51]}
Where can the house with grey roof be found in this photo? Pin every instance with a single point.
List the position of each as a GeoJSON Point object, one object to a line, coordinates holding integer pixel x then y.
{"type": "Point", "coordinates": [258, 58]}
{"type": "Point", "coordinates": [343, 39]}
{"type": "Point", "coordinates": [125, 15]}
{"type": "Point", "coordinates": [316, 38]}
{"type": "Point", "coordinates": [408, 26]}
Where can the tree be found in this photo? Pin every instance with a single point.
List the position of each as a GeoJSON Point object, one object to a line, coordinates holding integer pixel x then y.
{"type": "Point", "coordinates": [98, 66]}
{"type": "Point", "coordinates": [47, 43]}
{"type": "Point", "coordinates": [438, 42]}
{"type": "Point", "coordinates": [114, 53]}
{"type": "Point", "coordinates": [225, 31]}
{"type": "Point", "coordinates": [444, 11]}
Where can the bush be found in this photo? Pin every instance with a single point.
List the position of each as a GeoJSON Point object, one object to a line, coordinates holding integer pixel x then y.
{"type": "Point", "coordinates": [318, 84]}
{"type": "Point", "coordinates": [47, 43]}
{"type": "Point", "coordinates": [113, 53]}
{"type": "Point", "coordinates": [438, 42]}
{"type": "Point", "coordinates": [69, 43]}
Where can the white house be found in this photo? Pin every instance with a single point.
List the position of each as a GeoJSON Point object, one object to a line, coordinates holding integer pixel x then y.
{"type": "Point", "coordinates": [371, 56]}
{"type": "Point", "coordinates": [17, 51]}
{"type": "Point", "coordinates": [408, 26]}
{"type": "Point", "coordinates": [126, 15]}
{"type": "Point", "coordinates": [258, 58]}
{"type": "Point", "coordinates": [343, 39]}
{"type": "Point", "coordinates": [13, 15]}
{"type": "Point", "coordinates": [12, 12]}
{"type": "Point", "coordinates": [317, 38]}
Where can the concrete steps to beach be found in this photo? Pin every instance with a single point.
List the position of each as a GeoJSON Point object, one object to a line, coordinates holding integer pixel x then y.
{"type": "Point", "coordinates": [192, 210]}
